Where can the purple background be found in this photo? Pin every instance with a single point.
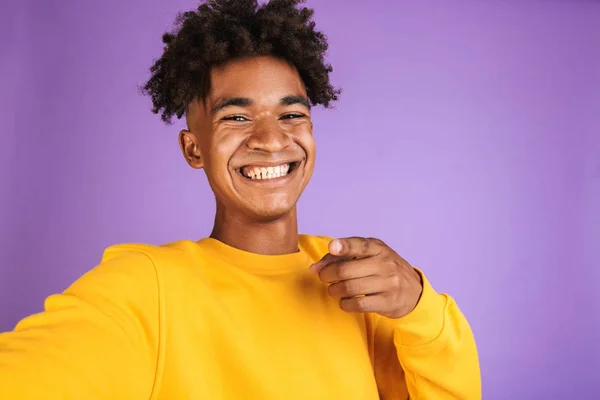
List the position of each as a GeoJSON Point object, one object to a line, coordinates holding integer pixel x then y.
{"type": "Point", "coordinates": [467, 137]}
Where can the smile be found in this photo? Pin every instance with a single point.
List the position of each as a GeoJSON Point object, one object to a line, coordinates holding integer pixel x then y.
{"type": "Point", "coordinates": [259, 172]}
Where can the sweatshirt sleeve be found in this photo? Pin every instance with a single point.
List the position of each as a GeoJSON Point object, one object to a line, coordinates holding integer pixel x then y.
{"type": "Point", "coordinates": [427, 354]}
{"type": "Point", "coordinates": [96, 340]}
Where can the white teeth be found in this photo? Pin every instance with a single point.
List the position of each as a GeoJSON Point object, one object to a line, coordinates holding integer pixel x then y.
{"type": "Point", "coordinates": [266, 172]}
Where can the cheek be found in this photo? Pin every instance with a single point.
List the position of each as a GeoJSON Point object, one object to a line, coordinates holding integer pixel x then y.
{"type": "Point", "coordinates": [221, 149]}
{"type": "Point", "coordinates": [216, 162]}
{"type": "Point", "coordinates": [305, 138]}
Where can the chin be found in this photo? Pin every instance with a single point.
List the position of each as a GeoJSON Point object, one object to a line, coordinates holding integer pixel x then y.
{"type": "Point", "coordinates": [273, 213]}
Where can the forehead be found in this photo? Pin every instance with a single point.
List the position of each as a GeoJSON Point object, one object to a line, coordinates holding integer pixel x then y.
{"type": "Point", "coordinates": [258, 78]}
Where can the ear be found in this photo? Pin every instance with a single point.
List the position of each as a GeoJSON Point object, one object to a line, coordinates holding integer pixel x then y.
{"type": "Point", "coordinates": [188, 142]}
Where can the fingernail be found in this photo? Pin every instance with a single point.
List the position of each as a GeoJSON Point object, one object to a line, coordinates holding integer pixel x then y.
{"type": "Point", "coordinates": [336, 246]}
{"type": "Point", "coordinates": [313, 268]}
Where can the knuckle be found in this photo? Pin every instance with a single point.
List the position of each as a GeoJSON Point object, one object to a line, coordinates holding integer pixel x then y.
{"type": "Point", "coordinates": [342, 271]}
{"type": "Point", "coordinates": [362, 303]}
{"type": "Point", "coordinates": [391, 265]}
{"type": "Point", "coordinates": [353, 243]}
{"type": "Point", "coordinates": [395, 281]}
{"type": "Point", "coordinates": [392, 271]}
{"type": "Point", "coordinates": [345, 286]}
{"type": "Point", "coordinates": [351, 287]}
{"type": "Point", "coordinates": [342, 289]}
{"type": "Point", "coordinates": [364, 244]}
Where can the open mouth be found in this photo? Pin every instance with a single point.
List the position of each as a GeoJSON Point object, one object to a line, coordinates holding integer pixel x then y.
{"type": "Point", "coordinates": [272, 172]}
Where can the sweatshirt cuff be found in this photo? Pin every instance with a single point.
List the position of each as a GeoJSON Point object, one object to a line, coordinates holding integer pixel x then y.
{"type": "Point", "coordinates": [426, 321]}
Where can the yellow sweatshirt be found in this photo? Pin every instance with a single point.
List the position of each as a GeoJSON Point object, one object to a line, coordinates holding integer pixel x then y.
{"type": "Point", "coordinates": [202, 320]}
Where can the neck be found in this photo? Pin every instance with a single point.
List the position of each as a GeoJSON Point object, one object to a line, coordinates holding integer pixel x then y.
{"type": "Point", "coordinates": [273, 237]}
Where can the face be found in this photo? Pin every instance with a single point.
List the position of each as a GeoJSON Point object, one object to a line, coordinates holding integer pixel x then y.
{"type": "Point", "coordinates": [252, 135]}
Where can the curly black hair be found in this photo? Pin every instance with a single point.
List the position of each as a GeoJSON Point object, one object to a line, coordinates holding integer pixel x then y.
{"type": "Point", "coordinates": [223, 30]}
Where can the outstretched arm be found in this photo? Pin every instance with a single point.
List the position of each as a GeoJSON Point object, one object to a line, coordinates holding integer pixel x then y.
{"type": "Point", "coordinates": [98, 339]}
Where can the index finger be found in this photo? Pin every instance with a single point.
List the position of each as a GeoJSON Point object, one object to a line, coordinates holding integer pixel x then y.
{"type": "Point", "coordinates": [355, 247]}
{"type": "Point", "coordinates": [323, 262]}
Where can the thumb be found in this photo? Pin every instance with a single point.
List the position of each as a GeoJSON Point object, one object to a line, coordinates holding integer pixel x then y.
{"type": "Point", "coordinates": [336, 247]}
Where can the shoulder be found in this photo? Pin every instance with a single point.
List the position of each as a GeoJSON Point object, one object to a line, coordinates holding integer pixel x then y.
{"type": "Point", "coordinates": [130, 268]}
{"type": "Point", "coordinates": [146, 254]}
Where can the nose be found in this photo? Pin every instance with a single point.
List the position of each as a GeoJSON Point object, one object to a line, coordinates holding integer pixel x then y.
{"type": "Point", "coordinates": [268, 136]}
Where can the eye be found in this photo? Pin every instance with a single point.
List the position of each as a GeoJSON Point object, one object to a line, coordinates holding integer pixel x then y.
{"type": "Point", "coordinates": [237, 118]}
{"type": "Point", "coordinates": [292, 116]}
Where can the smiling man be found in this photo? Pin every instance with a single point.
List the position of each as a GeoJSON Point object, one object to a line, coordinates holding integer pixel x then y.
{"type": "Point", "coordinates": [255, 310]}
{"type": "Point", "coordinates": [252, 135]}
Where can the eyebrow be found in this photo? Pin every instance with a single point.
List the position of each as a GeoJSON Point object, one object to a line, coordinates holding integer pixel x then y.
{"type": "Point", "coordinates": [291, 100]}
{"type": "Point", "coordinates": [231, 102]}
{"type": "Point", "coordinates": [246, 102]}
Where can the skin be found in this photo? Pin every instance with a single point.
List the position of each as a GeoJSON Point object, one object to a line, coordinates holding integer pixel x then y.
{"type": "Point", "coordinates": [257, 113]}
{"type": "Point", "coordinates": [366, 275]}
{"type": "Point", "coordinates": [252, 215]}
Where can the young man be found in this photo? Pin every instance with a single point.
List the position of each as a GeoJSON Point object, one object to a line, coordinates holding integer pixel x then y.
{"type": "Point", "coordinates": [255, 311]}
